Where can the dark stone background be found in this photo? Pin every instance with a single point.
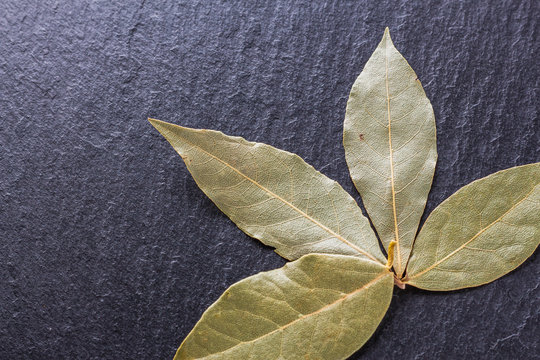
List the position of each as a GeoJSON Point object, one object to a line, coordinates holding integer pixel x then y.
{"type": "Point", "coordinates": [108, 250]}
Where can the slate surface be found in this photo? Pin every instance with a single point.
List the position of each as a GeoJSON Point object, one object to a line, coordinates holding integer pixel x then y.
{"type": "Point", "coordinates": [109, 250]}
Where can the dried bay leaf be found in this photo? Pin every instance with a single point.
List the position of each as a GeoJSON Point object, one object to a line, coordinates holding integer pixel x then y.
{"type": "Point", "coordinates": [390, 146]}
{"type": "Point", "coordinates": [317, 307]}
{"type": "Point", "coordinates": [274, 195]}
{"type": "Point", "coordinates": [481, 232]}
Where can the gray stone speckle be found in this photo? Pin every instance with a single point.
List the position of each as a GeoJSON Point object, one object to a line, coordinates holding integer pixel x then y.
{"type": "Point", "coordinates": [109, 250]}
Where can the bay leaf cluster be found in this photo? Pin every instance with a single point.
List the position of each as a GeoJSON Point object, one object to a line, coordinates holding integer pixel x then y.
{"type": "Point", "coordinates": [329, 299]}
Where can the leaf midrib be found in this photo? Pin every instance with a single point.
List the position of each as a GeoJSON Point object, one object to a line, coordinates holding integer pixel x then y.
{"type": "Point", "coordinates": [271, 193]}
{"type": "Point", "coordinates": [392, 182]}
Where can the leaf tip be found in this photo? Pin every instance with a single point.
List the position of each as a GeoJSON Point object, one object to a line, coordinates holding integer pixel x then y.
{"type": "Point", "coordinates": [386, 36]}
{"type": "Point", "coordinates": [154, 121]}
{"type": "Point", "coordinates": [161, 126]}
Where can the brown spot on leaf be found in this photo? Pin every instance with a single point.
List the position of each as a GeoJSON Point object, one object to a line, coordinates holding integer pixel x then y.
{"type": "Point", "coordinates": [361, 137]}
{"type": "Point", "coordinates": [186, 159]}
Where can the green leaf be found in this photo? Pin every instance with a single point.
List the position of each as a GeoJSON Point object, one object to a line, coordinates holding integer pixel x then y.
{"type": "Point", "coordinates": [480, 233]}
{"type": "Point", "coordinates": [274, 195]}
{"type": "Point", "coordinates": [390, 146]}
{"type": "Point", "coordinates": [318, 307]}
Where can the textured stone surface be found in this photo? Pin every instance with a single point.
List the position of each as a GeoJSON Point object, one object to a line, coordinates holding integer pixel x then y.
{"type": "Point", "coordinates": [109, 250]}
